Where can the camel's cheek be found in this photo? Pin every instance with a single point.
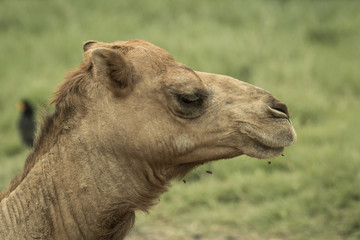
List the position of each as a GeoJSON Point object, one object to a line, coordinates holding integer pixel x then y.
{"type": "Point", "coordinates": [183, 143]}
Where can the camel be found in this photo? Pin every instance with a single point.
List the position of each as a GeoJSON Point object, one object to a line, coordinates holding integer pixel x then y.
{"type": "Point", "coordinates": [128, 120]}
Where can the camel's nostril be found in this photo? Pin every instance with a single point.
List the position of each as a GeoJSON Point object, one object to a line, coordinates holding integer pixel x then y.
{"type": "Point", "coordinates": [279, 110]}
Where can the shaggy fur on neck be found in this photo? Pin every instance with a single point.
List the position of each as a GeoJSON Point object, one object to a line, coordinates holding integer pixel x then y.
{"type": "Point", "coordinates": [68, 100]}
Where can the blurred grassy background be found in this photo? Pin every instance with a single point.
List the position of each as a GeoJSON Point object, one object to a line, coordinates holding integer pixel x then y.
{"type": "Point", "coordinates": [304, 52]}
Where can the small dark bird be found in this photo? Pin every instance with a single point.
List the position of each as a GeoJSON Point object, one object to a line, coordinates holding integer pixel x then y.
{"type": "Point", "coordinates": [26, 123]}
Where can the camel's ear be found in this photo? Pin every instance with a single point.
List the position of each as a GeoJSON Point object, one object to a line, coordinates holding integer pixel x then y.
{"type": "Point", "coordinates": [111, 68]}
{"type": "Point", "coordinates": [87, 45]}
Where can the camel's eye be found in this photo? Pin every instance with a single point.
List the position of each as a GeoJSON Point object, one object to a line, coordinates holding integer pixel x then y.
{"type": "Point", "coordinates": [188, 105]}
{"type": "Point", "coordinates": [192, 100]}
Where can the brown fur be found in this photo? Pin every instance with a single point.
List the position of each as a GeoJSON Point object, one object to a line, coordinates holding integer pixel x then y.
{"type": "Point", "coordinates": [127, 121]}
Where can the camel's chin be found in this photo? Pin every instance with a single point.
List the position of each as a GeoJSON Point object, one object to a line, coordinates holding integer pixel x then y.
{"type": "Point", "coordinates": [268, 153]}
{"type": "Point", "coordinates": [271, 152]}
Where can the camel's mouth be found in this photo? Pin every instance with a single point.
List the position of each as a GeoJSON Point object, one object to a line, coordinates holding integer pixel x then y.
{"type": "Point", "coordinates": [268, 145]}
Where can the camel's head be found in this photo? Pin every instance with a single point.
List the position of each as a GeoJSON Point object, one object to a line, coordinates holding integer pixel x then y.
{"type": "Point", "coordinates": [153, 108]}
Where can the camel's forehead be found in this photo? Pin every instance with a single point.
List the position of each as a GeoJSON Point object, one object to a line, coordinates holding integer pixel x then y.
{"type": "Point", "coordinates": [138, 51]}
{"type": "Point", "coordinates": [150, 60]}
{"type": "Point", "coordinates": [135, 43]}
{"type": "Point", "coordinates": [142, 48]}
{"type": "Point", "coordinates": [181, 76]}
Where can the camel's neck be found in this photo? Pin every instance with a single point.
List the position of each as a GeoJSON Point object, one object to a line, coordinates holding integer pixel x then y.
{"type": "Point", "coordinates": [106, 186]}
{"type": "Point", "coordinates": [82, 191]}
{"type": "Point", "coordinates": [31, 210]}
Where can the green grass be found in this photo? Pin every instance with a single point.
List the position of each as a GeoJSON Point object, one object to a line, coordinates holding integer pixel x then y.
{"type": "Point", "coordinates": [304, 52]}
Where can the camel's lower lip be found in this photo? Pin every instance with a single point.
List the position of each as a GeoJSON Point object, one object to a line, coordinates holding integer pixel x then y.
{"type": "Point", "coordinates": [274, 149]}
{"type": "Point", "coordinates": [261, 150]}
{"type": "Point", "coordinates": [266, 146]}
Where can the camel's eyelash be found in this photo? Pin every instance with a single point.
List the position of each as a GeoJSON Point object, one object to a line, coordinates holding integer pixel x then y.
{"type": "Point", "coordinates": [189, 99]}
